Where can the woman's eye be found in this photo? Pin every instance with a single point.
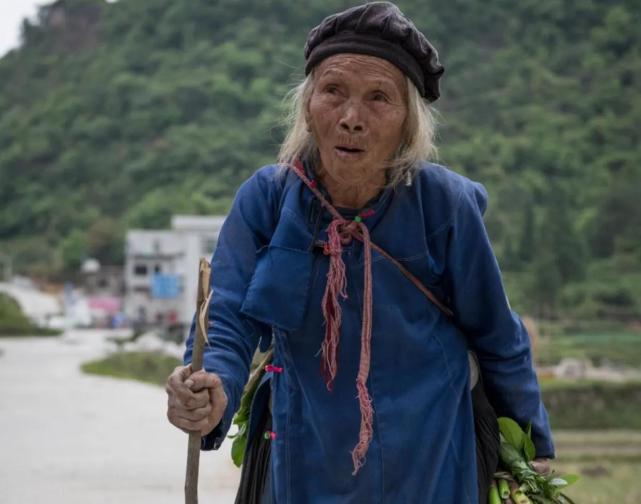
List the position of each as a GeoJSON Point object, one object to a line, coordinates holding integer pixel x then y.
{"type": "Point", "coordinates": [331, 89]}
{"type": "Point", "coordinates": [380, 97]}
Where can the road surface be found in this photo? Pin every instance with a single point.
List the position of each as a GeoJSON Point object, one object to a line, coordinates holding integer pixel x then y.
{"type": "Point", "coordinates": [71, 438]}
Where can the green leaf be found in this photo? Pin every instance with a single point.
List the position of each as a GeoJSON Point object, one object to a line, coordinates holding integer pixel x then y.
{"type": "Point", "coordinates": [240, 417]}
{"type": "Point", "coordinates": [240, 432]}
{"type": "Point", "coordinates": [558, 482]}
{"type": "Point", "coordinates": [528, 430]}
{"type": "Point", "coordinates": [238, 450]}
{"type": "Point", "coordinates": [571, 478]}
{"type": "Point", "coordinates": [512, 432]}
{"type": "Point", "coordinates": [528, 449]}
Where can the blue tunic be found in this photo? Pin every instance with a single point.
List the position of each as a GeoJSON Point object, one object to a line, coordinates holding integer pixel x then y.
{"type": "Point", "coordinates": [268, 280]}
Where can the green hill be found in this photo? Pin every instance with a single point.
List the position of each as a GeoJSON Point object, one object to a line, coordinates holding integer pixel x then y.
{"type": "Point", "coordinates": [115, 115]}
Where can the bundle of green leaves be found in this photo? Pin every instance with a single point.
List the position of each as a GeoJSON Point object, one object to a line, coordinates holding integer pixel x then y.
{"type": "Point", "coordinates": [518, 480]}
{"type": "Point", "coordinates": [243, 415]}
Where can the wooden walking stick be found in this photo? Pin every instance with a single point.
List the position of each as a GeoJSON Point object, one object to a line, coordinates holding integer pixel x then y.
{"type": "Point", "coordinates": [200, 339]}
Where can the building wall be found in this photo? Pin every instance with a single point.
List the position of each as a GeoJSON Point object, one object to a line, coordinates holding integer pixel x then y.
{"type": "Point", "coordinates": [107, 281]}
{"type": "Point", "coordinates": [174, 252]}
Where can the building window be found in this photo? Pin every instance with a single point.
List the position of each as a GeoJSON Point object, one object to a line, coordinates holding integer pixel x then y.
{"type": "Point", "coordinates": [157, 268]}
{"type": "Point", "coordinates": [140, 269]}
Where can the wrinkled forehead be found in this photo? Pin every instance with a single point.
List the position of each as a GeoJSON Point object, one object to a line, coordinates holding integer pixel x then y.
{"type": "Point", "coordinates": [362, 67]}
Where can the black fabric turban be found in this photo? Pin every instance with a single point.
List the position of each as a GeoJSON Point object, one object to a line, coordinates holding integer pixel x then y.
{"type": "Point", "coordinates": [378, 29]}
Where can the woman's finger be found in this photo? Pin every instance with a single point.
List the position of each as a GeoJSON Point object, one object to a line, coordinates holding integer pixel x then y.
{"type": "Point", "coordinates": [196, 414]}
{"type": "Point", "coordinates": [542, 466]}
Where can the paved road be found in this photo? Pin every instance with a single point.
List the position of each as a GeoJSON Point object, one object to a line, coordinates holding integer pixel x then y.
{"type": "Point", "coordinates": [70, 438]}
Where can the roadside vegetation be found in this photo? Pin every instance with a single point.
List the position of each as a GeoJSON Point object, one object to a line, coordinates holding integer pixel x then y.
{"type": "Point", "coordinates": [609, 463]}
{"type": "Point", "coordinates": [15, 323]}
{"type": "Point", "coordinates": [591, 403]}
{"type": "Point", "coordinates": [613, 347]}
{"type": "Point", "coordinates": [596, 424]}
{"type": "Point", "coordinates": [149, 367]}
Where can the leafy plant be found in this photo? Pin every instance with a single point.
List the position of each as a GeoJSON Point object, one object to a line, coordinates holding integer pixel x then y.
{"type": "Point", "coordinates": [526, 485]}
{"type": "Point", "coordinates": [243, 415]}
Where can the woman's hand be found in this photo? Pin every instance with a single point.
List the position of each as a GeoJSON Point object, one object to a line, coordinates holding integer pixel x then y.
{"type": "Point", "coordinates": [541, 465]}
{"type": "Point", "coordinates": [196, 401]}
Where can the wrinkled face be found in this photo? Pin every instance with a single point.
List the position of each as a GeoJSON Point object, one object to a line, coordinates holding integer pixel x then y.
{"type": "Point", "coordinates": [356, 114]}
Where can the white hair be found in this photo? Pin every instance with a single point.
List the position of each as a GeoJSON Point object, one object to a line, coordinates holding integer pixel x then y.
{"type": "Point", "coordinates": [417, 142]}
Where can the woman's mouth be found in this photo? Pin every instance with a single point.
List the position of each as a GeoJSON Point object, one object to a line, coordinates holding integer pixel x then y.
{"type": "Point", "coordinates": [346, 152]}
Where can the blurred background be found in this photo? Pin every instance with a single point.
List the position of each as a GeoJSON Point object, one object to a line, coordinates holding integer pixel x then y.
{"type": "Point", "coordinates": [126, 128]}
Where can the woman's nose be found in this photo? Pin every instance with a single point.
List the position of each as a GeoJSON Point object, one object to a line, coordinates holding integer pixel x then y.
{"type": "Point", "coordinates": [352, 118]}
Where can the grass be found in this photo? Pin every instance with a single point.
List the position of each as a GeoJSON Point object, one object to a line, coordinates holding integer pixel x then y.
{"type": "Point", "coordinates": [149, 367]}
{"type": "Point", "coordinates": [608, 459]}
{"type": "Point", "coordinates": [594, 406]}
{"type": "Point", "coordinates": [14, 323]}
{"type": "Point", "coordinates": [620, 348]}
{"type": "Point", "coordinates": [609, 463]}
{"type": "Point", "coordinates": [589, 404]}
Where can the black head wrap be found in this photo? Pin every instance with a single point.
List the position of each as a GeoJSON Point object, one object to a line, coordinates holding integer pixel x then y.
{"type": "Point", "coordinates": [378, 29]}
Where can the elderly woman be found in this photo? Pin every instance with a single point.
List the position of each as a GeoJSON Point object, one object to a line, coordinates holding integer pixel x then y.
{"type": "Point", "coordinates": [370, 272]}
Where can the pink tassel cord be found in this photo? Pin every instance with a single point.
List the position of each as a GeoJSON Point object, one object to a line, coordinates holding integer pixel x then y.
{"type": "Point", "coordinates": [340, 232]}
{"type": "Point", "coordinates": [364, 399]}
{"type": "Point", "coordinates": [335, 287]}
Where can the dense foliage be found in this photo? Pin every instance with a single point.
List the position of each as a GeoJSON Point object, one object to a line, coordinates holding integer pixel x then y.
{"type": "Point", "coordinates": [114, 115]}
{"type": "Point", "coordinates": [593, 405]}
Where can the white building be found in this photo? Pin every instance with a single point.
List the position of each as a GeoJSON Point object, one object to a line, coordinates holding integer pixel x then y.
{"type": "Point", "coordinates": [161, 269]}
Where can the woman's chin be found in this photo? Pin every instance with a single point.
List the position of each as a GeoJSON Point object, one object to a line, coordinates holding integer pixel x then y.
{"type": "Point", "coordinates": [357, 170]}
{"type": "Point", "coordinates": [359, 162]}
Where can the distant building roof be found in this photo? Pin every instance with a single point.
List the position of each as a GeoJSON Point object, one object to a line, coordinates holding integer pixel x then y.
{"type": "Point", "coordinates": [200, 223]}
{"type": "Point", "coordinates": [153, 243]}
